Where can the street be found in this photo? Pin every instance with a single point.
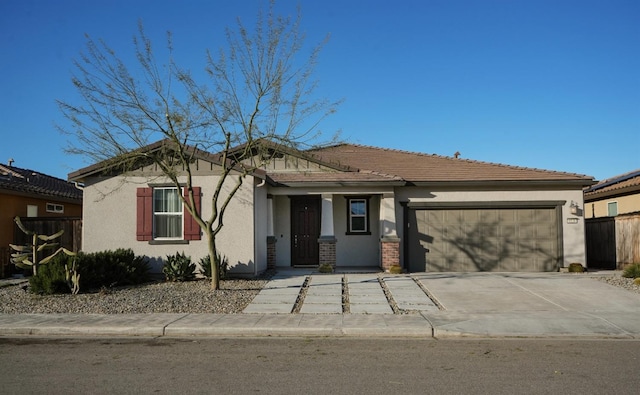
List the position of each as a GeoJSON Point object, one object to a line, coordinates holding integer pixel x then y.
{"type": "Point", "coordinates": [317, 366]}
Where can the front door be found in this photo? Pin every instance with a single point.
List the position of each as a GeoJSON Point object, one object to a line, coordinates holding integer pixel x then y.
{"type": "Point", "coordinates": [305, 230]}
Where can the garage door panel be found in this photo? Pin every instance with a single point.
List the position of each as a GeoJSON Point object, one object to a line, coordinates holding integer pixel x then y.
{"type": "Point", "coordinates": [510, 239]}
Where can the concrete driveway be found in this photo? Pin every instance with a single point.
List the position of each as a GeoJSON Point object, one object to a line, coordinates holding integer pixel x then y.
{"type": "Point", "coordinates": [530, 304]}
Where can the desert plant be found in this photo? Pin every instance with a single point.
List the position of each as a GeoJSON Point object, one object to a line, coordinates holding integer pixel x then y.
{"type": "Point", "coordinates": [325, 268]}
{"type": "Point", "coordinates": [395, 269]}
{"type": "Point", "coordinates": [72, 277]}
{"type": "Point", "coordinates": [632, 271]}
{"type": "Point", "coordinates": [179, 267]}
{"type": "Point", "coordinates": [223, 266]}
{"type": "Point", "coordinates": [26, 256]}
{"type": "Point", "coordinates": [576, 268]}
{"type": "Point", "coordinates": [51, 278]}
{"type": "Point", "coordinates": [636, 281]}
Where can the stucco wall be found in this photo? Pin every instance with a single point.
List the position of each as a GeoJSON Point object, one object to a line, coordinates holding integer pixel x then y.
{"type": "Point", "coordinates": [573, 233]}
{"type": "Point", "coordinates": [356, 250]}
{"type": "Point", "coordinates": [110, 222]}
{"type": "Point", "coordinates": [16, 205]}
{"type": "Point", "coordinates": [626, 204]}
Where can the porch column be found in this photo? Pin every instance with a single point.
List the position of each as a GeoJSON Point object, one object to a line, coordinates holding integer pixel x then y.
{"type": "Point", "coordinates": [327, 240]}
{"type": "Point", "coordinates": [271, 238]}
{"type": "Point", "coordinates": [389, 240]}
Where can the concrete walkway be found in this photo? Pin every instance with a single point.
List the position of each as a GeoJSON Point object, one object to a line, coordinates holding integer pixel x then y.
{"type": "Point", "coordinates": [548, 305]}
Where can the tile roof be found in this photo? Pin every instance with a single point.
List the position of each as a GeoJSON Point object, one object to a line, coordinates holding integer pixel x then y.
{"type": "Point", "coordinates": [418, 167]}
{"type": "Point", "coordinates": [36, 183]}
{"type": "Point", "coordinates": [622, 183]}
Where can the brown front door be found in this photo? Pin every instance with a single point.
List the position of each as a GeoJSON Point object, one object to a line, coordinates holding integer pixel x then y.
{"type": "Point", "coordinates": [305, 230]}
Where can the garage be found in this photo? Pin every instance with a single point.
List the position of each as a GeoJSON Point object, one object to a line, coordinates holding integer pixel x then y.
{"type": "Point", "coordinates": [508, 237]}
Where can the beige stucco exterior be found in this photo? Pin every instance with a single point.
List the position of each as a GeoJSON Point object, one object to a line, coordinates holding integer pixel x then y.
{"type": "Point", "coordinates": [626, 204]}
{"type": "Point", "coordinates": [110, 221]}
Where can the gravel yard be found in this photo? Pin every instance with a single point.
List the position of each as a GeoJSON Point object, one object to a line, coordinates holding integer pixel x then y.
{"type": "Point", "coordinates": [159, 297]}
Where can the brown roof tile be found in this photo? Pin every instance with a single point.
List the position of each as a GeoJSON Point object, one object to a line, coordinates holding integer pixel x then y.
{"type": "Point", "coordinates": [623, 183]}
{"type": "Point", "coordinates": [33, 182]}
{"type": "Point", "coordinates": [418, 167]}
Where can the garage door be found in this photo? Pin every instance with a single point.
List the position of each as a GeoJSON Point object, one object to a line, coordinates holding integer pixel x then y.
{"type": "Point", "coordinates": [492, 239]}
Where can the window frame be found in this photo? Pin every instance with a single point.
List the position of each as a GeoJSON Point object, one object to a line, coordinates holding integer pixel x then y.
{"type": "Point", "coordinates": [351, 216]}
{"type": "Point", "coordinates": [54, 208]}
{"type": "Point", "coordinates": [613, 204]}
{"type": "Point", "coordinates": [179, 214]}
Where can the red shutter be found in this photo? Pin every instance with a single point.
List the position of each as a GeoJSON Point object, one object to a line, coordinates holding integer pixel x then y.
{"type": "Point", "coordinates": [191, 227]}
{"type": "Point", "coordinates": [144, 214]}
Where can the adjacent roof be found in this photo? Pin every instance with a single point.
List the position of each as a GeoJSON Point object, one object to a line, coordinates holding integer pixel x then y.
{"type": "Point", "coordinates": [614, 186]}
{"type": "Point", "coordinates": [25, 181]}
{"type": "Point", "coordinates": [420, 168]}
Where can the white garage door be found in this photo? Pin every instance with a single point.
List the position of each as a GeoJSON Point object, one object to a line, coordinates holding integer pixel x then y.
{"type": "Point", "coordinates": [491, 239]}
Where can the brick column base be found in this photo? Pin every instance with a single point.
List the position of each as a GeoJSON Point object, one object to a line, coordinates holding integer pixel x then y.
{"type": "Point", "coordinates": [271, 252]}
{"type": "Point", "coordinates": [390, 248]}
{"type": "Point", "coordinates": [327, 246]}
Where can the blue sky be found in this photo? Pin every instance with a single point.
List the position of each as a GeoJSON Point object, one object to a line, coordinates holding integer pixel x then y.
{"type": "Point", "coordinates": [546, 84]}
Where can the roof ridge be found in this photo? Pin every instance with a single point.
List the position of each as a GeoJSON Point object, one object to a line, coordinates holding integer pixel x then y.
{"type": "Point", "coordinates": [423, 154]}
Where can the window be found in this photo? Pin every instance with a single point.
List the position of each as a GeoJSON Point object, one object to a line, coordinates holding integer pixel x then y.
{"type": "Point", "coordinates": [161, 215]}
{"type": "Point", "coordinates": [32, 211]}
{"type": "Point", "coordinates": [167, 214]}
{"type": "Point", "coordinates": [55, 208]}
{"type": "Point", "coordinates": [612, 209]}
{"type": "Point", "coordinates": [358, 215]}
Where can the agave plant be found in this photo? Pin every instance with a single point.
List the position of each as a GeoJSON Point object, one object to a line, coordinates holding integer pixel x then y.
{"type": "Point", "coordinates": [26, 256]}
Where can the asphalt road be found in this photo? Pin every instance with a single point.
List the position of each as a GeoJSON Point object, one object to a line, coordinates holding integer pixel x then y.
{"type": "Point", "coordinates": [318, 366]}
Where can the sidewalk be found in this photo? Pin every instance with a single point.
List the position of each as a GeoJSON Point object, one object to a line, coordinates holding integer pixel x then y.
{"type": "Point", "coordinates": [538, 305]}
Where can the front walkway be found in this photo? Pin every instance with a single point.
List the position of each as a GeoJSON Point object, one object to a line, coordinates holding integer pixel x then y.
{"type": "Point", "coordinates": [306, 292]}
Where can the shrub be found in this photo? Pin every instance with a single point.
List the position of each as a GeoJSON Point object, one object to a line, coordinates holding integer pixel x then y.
{"type": "Point", "coordinates": [205, 266]}
{"type": "Point", "coordinates": [50, 278]}
{"type": "Point", "coordinates": [632, 271]}
{"type": "Point", "coordinates": [325, 268]}
{"type": "Point", "coordinates": [111, 268]}
{"type": "Point", "coordinates": [179, 267]}
{"type": "Point", "coordinates": [97, 270]}
{"type": "Point", "coordinates": [395, 269]}
{"type": "Point", "coordinates": [576, 268]}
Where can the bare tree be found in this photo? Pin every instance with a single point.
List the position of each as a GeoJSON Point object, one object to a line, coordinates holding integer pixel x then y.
{"type": "Point", "coordinates": [259, 87]}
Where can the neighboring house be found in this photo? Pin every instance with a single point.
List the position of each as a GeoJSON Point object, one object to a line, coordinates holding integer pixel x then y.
{"type": "Point", "coordinates": [613, 196]}
{"type": "Point", "coordinates": [31, 194]}
{"type": "Point", "coordinates": [350, 206]}
{"type": "Point", "coordinates": [612, 212]}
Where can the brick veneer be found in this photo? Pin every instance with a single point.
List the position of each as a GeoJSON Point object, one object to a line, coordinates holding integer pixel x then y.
{"type": "Point", "coordinates": [390, 247]}
{"type": "Point", "coordinates": [271, 252]}
{"type": "Point", "coordinates": [327, 246]}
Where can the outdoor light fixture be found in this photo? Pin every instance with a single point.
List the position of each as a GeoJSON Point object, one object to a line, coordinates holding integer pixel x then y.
{"type": "Point", "coordinates": [574, 208]}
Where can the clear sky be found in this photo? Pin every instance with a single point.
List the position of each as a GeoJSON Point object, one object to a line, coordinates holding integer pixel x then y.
{"type": "Point", "coordinates": [551, 84]}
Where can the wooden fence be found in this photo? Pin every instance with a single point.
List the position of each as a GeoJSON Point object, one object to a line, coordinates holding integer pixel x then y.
{"type": "Point", "coordinates": [71, 239]}
{"type": "Point", "coordinates": [613, 242]}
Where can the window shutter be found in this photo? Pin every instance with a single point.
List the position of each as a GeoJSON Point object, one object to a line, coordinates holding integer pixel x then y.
{"type": "Point", "coordinates": [191, 227]}
{"type": "Point", "coordinates": [144, 214]}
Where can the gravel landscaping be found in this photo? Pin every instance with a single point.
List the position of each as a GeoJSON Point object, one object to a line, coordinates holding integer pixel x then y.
{"type": "Point", "coordinates": [167, 297]}
{"type": "Point", "coordinates": [158, 297]}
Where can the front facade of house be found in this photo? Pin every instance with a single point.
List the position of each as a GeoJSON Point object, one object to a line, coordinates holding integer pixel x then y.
{"type": "Point", "coordinates": [351, 206]}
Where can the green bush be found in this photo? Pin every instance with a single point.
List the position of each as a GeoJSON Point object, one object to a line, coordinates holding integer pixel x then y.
{"type": "Point", "coordinates": [97, 270]}
{"type": "Point", "coordinates": [632, 271]}
{"type": "Point", "coordinates": [179, 267]}
{"type": "Point", "coordinates": [205, 266]}
{"type": "Point", "coordinates": [50, 278]}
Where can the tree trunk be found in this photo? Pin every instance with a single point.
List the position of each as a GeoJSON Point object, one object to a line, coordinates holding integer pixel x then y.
{"type": "Point", "coordinates": [215, 265]}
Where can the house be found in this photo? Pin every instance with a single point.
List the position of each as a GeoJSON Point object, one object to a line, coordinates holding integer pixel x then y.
{"type": "Point", "coordinates": [350, 206]}
{"type": "Point", "coordinates": [613, 196]}
{"type": "Point", "coordinates": [613, 221]}
{"type": "Point", "coordinates": [30, 194]}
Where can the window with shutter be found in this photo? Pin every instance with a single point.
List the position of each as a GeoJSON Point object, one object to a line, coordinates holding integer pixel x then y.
{"type": "Point", "coordinates": [161, 215]}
